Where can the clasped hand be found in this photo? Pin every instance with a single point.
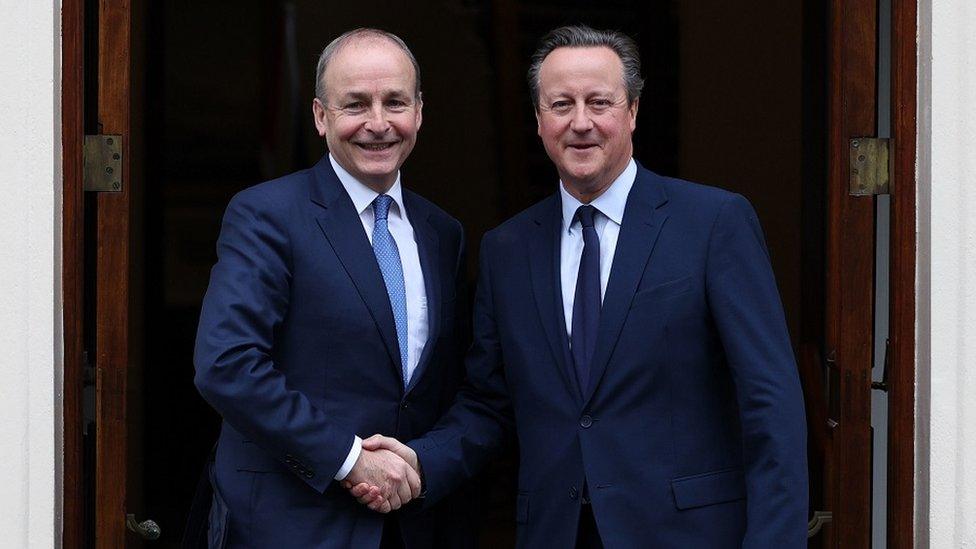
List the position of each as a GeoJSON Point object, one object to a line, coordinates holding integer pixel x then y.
{"type": "Point", "coordinates": [386, 475]}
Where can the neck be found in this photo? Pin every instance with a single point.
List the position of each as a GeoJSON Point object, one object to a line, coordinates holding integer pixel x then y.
{"type": "Point", "coordinates": [380, 185]}
{"type": "Point", "coordinates": [587, 191]}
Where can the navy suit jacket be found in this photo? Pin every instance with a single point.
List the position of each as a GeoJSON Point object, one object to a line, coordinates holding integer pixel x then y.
{"type": "Point", "coordinates": [691, 433]}
{"type": "Point", "coordinates": [297, 350]}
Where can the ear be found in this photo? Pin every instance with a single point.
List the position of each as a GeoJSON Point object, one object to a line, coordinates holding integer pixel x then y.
{"type": "Point", "coordinates": [538, 123]}
{"type": "Point", "coordinates": [633, 114]}
{"type": "Point", "coordinates": [420, 111]}
{"type": "Point", "coordinates": [319, 114]}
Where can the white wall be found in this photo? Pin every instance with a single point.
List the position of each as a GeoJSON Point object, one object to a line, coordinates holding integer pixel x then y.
{"type": "Point", "coordinates": [30, 307]}
{"type": "Point", "coordinates": [946, 447]}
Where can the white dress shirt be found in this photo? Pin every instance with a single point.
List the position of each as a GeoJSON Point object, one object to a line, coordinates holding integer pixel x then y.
{"type": "Point", "coordinates": [413, 276]}
{"type": "Point", "coordinates": [610, 214]}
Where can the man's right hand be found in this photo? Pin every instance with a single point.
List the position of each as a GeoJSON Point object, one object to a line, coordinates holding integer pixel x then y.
{"type": "Point", "coordinates": [392, 480]}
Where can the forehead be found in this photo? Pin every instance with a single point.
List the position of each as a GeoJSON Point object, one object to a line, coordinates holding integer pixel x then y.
{"type": "Point", "coordinates": [581, 67]}
{"type": "Point", "coordinates": [369, 64]}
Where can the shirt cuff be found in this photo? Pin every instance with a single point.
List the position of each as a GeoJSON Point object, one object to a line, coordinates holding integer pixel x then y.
{"type": "Point", "coordinates": [351, 459]}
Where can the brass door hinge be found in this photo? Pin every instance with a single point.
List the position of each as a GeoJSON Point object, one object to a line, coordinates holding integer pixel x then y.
{"type": "Point", "coordinates": [870, 171]}
{"type": "Point", "coordinates": [103, 163]}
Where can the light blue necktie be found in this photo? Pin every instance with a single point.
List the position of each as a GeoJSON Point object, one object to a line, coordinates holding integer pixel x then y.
{"type": "Point", "coordinates": [388, 257]}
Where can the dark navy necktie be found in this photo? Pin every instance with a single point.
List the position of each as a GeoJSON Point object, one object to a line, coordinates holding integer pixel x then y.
{"type": "Point", "coordinates": [587, 303]}
{"type": "Point", "coordinates": [388, 257]}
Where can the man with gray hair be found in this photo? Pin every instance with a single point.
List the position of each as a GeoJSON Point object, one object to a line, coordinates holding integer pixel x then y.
{"type": "Point", "coordinates": [629, 329]}
{"type": "Point", "coordinates": [330, 316]}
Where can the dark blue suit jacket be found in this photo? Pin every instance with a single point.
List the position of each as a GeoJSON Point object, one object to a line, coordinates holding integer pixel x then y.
{"type": "Point", "coordinates": [297, 350]}
{"type": "Point", "coordinates": [692, 431]}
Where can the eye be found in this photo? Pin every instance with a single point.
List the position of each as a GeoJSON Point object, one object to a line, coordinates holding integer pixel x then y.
{"type": "Point", "coordinates": [396, 105]}
{"type": "Point", "coordinates": [354, 107]}
{"type": "Point", "coordinates": [600, 104]}
{"type": "Point", "coordinates": [561, 106]}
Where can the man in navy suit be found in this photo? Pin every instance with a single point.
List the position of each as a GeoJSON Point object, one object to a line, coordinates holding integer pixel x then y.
{"type": "Point", "coordinates": [330, 315]}
{"type": "Point", "coordinates": [629, 329]}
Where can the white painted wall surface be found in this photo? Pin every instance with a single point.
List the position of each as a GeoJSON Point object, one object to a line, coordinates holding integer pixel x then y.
{"type": "Point", "coordinates": [30, 306]}
{"type": "Point", "coordinates": [946, 482]}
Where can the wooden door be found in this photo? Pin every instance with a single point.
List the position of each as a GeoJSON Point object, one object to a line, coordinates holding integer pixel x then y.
{"type": "Point", "coordinates": [113, 287]}
{"type": "Point", "coordinates": [835, 357]}
{"type": "Point", "coordinates": [837, 376]}
{"type": "Point", "coordinates": [101, 277]}
{"type": "Point", "coordinates": [852, 112]}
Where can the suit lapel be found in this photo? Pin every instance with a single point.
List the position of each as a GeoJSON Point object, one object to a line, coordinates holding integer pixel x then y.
{"type": "Point", "coordinates": [344, 230]}
{"type": "Point", "coordinates": [641, 225]}
{"type": "Point", "coordinates": [547, 288]}
{"type": "Point", "coordinates": [429, 250]}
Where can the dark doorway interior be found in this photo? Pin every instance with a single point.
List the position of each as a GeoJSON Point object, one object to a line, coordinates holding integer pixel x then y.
{"type": "Point", "coordinates": [734, 98]}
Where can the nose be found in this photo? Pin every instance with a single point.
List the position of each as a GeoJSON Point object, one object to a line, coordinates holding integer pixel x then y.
{"type": "Point", "coordinates": [377, 122]}
{"type": "Point", "coordinates": [581, 122]}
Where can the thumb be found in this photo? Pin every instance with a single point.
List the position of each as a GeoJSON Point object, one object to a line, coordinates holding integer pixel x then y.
{"type": "Point", "coordinates": [377, 442]}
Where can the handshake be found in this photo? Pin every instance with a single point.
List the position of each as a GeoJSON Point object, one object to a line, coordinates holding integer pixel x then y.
{"type": "Point", "coordinates": [386, 475]}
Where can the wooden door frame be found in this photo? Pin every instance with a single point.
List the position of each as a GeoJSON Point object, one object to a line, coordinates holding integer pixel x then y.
{"type": "Point", "coordinates": [73, 266]}
{"type": "Point", "coordinates": [902, 264]}
{"type": "Point", "coordinates": [901, 381]}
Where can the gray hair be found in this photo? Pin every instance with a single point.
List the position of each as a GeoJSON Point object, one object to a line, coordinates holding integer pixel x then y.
{"type": "Point", "coordinates": [582, 36]}
{"type": "Point", "coordinates": [363, 32]}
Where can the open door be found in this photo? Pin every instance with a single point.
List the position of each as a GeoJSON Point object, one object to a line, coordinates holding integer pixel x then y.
{"type": "Point", "coordinates": [869, 263]}
{"type": "Point", "coordinates": [837, 375]}
{"type": "Point", "coordinates": [102, 276]}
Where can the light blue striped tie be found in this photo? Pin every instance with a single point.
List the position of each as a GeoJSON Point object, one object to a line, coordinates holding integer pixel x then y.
{"type": "Point", "coordinates": [388, 257]}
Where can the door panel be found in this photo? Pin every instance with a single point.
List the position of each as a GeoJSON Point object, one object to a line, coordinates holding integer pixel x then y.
{"type": "Point", "coordinates": [112, 276]}
{"type": "Point", "coordinates": [851, 108]}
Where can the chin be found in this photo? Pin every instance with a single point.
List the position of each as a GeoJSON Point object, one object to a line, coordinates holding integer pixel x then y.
{"type": "Point", "coordinates": [583, 175]}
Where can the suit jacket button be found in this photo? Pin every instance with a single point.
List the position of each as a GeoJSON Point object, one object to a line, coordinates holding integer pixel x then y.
{"type": "Point", "coordinates": [586, 422]}
{"type": "Point", "coordinates": [573, 492]}
{"type": "Point", "coordinates": [308, 474]}
{"type": "Point", "coordinates": [405, 404]}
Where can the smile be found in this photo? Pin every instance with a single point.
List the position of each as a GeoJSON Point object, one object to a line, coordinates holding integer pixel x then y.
{"type": "Point", "coordinates": [375, 146]}
{"type": "Point", "coordinates": [582, 146]}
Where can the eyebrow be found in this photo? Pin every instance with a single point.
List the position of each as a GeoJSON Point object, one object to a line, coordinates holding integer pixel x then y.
{"type": "Point", "coordinates": [365, 96]}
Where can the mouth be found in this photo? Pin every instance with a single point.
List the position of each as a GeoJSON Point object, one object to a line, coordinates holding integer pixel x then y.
{"type": "Point", "coordinates": [376, 147]}
{"type": "Point", "coordinates": [582, 146]}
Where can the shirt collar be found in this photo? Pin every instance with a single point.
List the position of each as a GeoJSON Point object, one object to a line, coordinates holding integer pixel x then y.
{"type": "Point", "coordinates": [362, 196]}
{"type": "Point", "coordinates": [611, 203]}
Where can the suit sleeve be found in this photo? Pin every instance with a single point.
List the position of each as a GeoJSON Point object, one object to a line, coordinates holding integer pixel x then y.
{"type": "Point", "coordinates": [473, 429]}
{"type": "Point", "coordinates": [245, 303]}
{"type": "Point", "coordinates": [746, 308]}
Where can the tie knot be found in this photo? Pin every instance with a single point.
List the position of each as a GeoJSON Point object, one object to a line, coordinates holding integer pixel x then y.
{"type": "Point", "coordinates": [381, 206]}
{"type": "Point", "coordinates": [585, 215]}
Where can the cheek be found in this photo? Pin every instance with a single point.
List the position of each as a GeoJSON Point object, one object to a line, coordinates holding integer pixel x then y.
{"type": "Point", "coordinates": [405, 124]}
{"type": "Point", "coordinates": [549, 132]}
{"type": "Point", "coordinates": [344, 129]}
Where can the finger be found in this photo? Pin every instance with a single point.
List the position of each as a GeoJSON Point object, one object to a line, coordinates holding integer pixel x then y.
{"type": "Point", "coordinates": [381, 507]}
{"type": "Point", "coordinates": [373, 442]}
{"type": "Point", "coordinates": [405, 491]}
{"type": "Point", "coordinates": [378, 505]}
{"type": "Point", "coordinates": [346, 484]}
{"type": "Point", "coordinates": [395, 502]}
{"type": "Point", "coordinates": [359, 490]}
{"type": "Point", "coordinates": [368, 499]}
{"type": "Point", "coordinates": [370, 495]}
{"type": "Point", "coordinates": [413, 482]}
{"type": "Point", "coordinates": [376, 442]}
